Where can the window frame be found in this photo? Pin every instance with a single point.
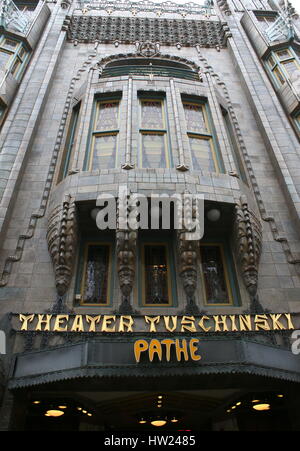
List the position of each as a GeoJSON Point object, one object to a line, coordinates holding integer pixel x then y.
{"type": "Point", "coordinates": [172, 286]}
{"type": "Point", "coordinates": [279, 63]}
{"type": "Point", "coordinates": [18, 55]}
{"type": "Point", "coordinates": [265, 17]}
{"type": "Point", "coordinates": [203, 103]}
{"type": "Point", "coordinates": [70, 141]}
{"type": "Point", "coordinates": [93, 133]}
{"type": "Point", "coordinates": [81, 274]}
{"type": "Point", "coordinates": [159, 131]}
{"type": "Point", "coordinates": [229, 274]}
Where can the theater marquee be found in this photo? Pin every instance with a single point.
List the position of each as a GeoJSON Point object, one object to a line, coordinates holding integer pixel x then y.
{"type": "Point", "coordinates": [157, 343]}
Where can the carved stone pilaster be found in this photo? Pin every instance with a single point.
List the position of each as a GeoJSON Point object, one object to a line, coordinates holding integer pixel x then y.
{"type": "Point", "coordinates": [248, 245]}
{"type": "Point", "coordinates": [188, 254]}
{"type": "Point", "coordinates": [126, 243]}
{"type": "Point", "coordinates": [126, 262]}
{"type": "Point", "coordinates": [62, 238]}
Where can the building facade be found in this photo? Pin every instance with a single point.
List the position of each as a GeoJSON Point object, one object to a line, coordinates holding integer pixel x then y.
{"type": "Point", "coordinates": [113, 110]}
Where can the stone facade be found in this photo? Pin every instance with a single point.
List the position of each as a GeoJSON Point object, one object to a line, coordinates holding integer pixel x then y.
{"type": "Point", "coordinates": [42, 216]}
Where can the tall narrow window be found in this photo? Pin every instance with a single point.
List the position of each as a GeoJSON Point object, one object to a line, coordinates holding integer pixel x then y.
{"type": "Point", "coordinates": [215, 275]}
{"type": "Point", "coordinates": [96, 275]}
{"type": "Point", "coordinates": [104, 145]}
{"type": "Point", "coordinates": [283, 64]}
{"type": "Point", "coordinates": [233, 144]}
{"type": "Point", "coordinates": [202, 145]}
{"type": "Point", "coordinates": [156, 275]}
{"type": "Point", "coordinates": [153, 135]}
{"type": "Point", "coordinates": [68, 154]}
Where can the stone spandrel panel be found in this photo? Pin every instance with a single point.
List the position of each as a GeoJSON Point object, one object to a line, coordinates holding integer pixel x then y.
{"type": "Point", "coordinates": [206, 33]}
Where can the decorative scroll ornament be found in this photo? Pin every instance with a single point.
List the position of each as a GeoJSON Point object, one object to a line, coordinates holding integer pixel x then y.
{"type": "Point", "coordinates": [248, 243]}
{"type": "Point", "coordinates": [126, 242]}
{"type": "Point", "coordinates": [62, 237]}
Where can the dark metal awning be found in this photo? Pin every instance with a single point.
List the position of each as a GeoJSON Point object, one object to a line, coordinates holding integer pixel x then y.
{"type": "Point", "coordinates": [115, 359]}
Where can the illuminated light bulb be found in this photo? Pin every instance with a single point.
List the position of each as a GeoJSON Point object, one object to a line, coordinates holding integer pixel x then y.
{"type": "Point", "coordinates": [84, 411]}
{"type": "Point", "coordinates": [158, 423]}
{"type": "Point", "coordinates": [36, 402]}
{"type": "Point", "coordinates": [159, 405]}
{"type": "Point", "coordinates": [160, 397]}
{"type": "Point", "coordinates": [89, 415]}
{"type": "Point", "coordinates": [279, 396]}
{"type": "Point", "coordinates": [142, 421]}
{"type": "Point", "coordinates": [238, 403]}
{"type": "Point", "coordinates": [261, 407]}
{"type": "Point", "coordinates": [62, 407]}
{"type": "Point", "coordinates": [233, 407]}
{"type": "Point", "coordinates": [174, 420]}
{"type": "Point", "coordinates": [255, 400]}
{"type": "Point", "coordinates": [79, 408]}
{"type": "Point", "coordinates": [54, 413]}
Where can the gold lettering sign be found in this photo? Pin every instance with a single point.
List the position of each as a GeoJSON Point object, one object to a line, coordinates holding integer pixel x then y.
{"type": "Point", "coordinates": [126, 324]}
{"type": "Point", "coordinates": [184, 350]}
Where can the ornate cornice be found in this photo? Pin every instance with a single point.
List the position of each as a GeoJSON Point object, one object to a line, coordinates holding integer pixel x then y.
{"type": "Point", "coordinates": [131, 29]}
{"type": "Point", "coordinates": [160, 9]}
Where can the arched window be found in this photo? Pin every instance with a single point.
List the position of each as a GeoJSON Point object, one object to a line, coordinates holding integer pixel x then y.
{"type": "Point", "coordinates": [149, 67]}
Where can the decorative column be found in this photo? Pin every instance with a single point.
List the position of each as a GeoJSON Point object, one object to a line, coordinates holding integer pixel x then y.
{"type": "Point", "coordinates": [62, 238]}
{"type": "Point", "coordinates": [248, 246]}
{"type": "Point", "coordinates": [188, 255]}
{"type": "Point", "coordinates": [126, 243]}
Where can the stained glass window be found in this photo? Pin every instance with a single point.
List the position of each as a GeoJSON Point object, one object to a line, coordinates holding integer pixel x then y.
{"type": "Point", "coordinates": [95, 287]}
{"type": "Point", "coordinates": [152, 115]}
{"type": "Point", "coordinates": [195, 118]}
{"type": "Point", "coordinates": [105, 148]}
{"type": "Point", "coordinates": [202, 156]}
{"type": "Point", "coordinates": [105, 136]}
{"type": "Point", "coordinates": [154, 150]}
{"type": "Point", "coordinates": [201, 140]}
{"type": "Point", "coordinates": [153, 132]}
{"type": "Point", "coordinates": [216, 284]}
{"type": "Point", "coordinates": [107, 118]}
{"type": "Point", "coordinates": [156, 275]}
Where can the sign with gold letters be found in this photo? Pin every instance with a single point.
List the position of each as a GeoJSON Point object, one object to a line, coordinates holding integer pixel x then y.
{"type": "Point", "coordinates": [165, 338]}
{"type": "Point", "coordinates": [171, 324]}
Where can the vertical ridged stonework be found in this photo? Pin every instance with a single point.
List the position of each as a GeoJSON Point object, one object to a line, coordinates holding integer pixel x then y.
{"type": "Point", "coordinates": [126, 245]}
{"type": "Point", "coordinates": [62, 238]}
{"type": "Point", "coordinates": [248, 246]}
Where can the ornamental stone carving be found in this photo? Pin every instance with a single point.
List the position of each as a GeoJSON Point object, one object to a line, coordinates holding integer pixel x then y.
{"type": "Point", "coordinates": [140, 29]}
{"type": "Point", "coordinates": [126, 243]}
{"type": "Point", "coordinates": [62, 238]}
{"type": "Point", "coordinates": [248, 244]}
{"type": "Point", "coordinates": [147, 49]}
{"type": "Point", "coordinates": [188, 254]}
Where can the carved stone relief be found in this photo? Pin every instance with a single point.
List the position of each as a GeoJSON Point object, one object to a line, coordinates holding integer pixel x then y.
{"type": "Point", "coordinates": [62, 237]}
